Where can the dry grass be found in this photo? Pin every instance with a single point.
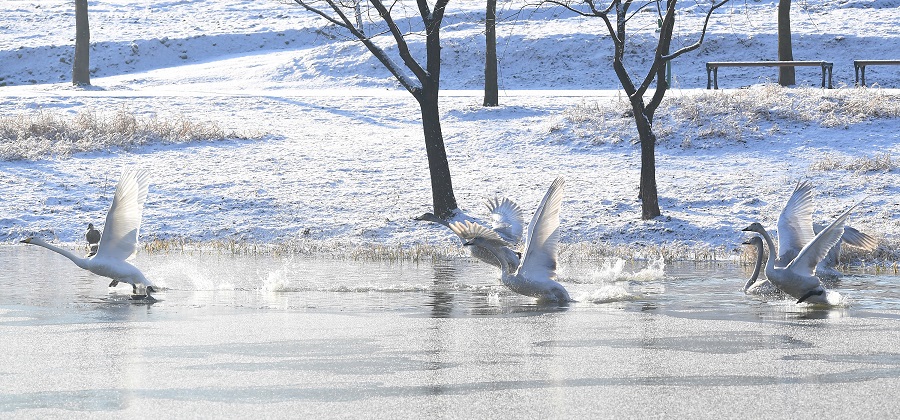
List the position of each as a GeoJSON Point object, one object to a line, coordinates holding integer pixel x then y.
{"type": "Point", "coordinates": [41, 134]}
{"type": "Point", "coordinates": [880, 162]}
{"type": "Point", "coordinates": [884, 259]}
{"type": "Point", "coordinates": [708, 118]}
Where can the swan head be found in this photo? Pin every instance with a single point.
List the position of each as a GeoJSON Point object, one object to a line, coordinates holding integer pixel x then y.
{"type": "Point", "coordinates": [754, 227]}
{"type": "Point", "coordinates": [430, 217]}
{"type": "Point", "coordinates": [90, 226]}
{"type": "Point", "coordinates": [33, 240]}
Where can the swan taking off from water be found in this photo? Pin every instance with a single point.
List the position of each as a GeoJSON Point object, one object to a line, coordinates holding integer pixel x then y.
{"type": "Point", "coordinates": [796, 230]}
{"type": "Point", "coordinates": [794, 272]}
{"type": "Point", "coordinates": [120, 236]}
{"type": "Point", "coordinates": [535, 274]}
{"type": "Point", "coordinates": [506, 221]}
{"type": "Point", "coordinates": [92, 236]}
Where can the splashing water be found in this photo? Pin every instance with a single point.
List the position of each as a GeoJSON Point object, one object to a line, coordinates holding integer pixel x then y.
{"type": "Point", "coordinates": [612, 277]}
{"type": "Point", "coordinates": [275, 282]}
{"type": "Point", "coordinates": [654, 271]}
{"type": "Point", "coordinates": [614, 270]}
{"type": "Point", "coordinates": [606, 294]}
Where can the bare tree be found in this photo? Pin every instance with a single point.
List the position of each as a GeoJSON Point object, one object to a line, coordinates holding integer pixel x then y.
{"type": "Point", "coordinates": [81, 74]}
{"type": "Point", "coordinates": [491, 94]}
{"type": "Point", "coordinates": [616, 17]}
{"type": "Point", "coordinates": [425, 85]}
{"type": "Point", "coordinates": [786, 75]}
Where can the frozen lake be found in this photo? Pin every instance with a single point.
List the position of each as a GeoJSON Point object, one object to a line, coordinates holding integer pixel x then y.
{"type": "Point", "coordinates": [299, 337]}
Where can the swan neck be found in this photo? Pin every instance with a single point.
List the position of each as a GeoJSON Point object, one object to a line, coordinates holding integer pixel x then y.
{"type": "Point", "coordinates": [504, 265]}
{"type": "Point", "coordinates": [770, 261]}
{"type": "Point", "coordinates": [758, 266]}
{"type": "Point", "coordinates": [80, 262]}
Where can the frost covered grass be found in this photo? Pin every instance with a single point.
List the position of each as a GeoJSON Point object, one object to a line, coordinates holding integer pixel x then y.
{"type": "Point", "coordinates": [350, 251]}
{"type": "Point", "coordinates": [880, 162]}
{"type": "Point", "coordinates": [705, 119]}
{"type": "Point", "coordinates": [41, 134]}
{"type": "Point", "coordinates": [338, 250]}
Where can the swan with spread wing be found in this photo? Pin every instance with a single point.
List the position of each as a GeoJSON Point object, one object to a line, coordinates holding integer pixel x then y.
{"type": "Point", "coordinates": [119, 239]}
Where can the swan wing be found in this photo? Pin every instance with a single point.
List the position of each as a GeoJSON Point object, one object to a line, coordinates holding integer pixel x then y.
{"type": "Point", "coordinates": [859, 239]}
{"type": "Point", "coordinates": [123, 221]}
{"type": "Point", "coordinates": [468, 230]}
{"type": "Point", "coordinates": [818, 248]}
{"type": "Point", "coordinates": [542, 236]}
{"type": "Point", "coordinates": [506, 219]}
{"type": "Point", "coordinates": [795, 226]}
{"type": "Point", "coordinates": [853, 237]}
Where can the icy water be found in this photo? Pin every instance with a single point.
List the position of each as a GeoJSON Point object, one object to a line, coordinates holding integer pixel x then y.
{"type": "Point", "coordinates": [292, 337]}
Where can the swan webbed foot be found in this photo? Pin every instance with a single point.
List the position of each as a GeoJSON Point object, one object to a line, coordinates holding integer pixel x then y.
{"type": "Point", "coordinates": [114, 283]}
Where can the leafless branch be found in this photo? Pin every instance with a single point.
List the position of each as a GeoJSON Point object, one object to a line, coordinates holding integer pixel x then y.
{"type": "Point", "coordinates": [697, 44]}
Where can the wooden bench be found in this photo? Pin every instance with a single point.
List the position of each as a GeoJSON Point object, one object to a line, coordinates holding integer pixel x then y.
{"type": "Point", "coordinates": [859, 67]}
{"type": "Point", "coordinates": [712, 68]}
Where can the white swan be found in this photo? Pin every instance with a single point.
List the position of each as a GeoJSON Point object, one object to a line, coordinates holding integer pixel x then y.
{"type": "Point", "coordinates": [755, 285]}
{"type": "Point", "coordinates": [120, 236]}
{"type": "Point", "coordinates": [506, 222]}
{"type": "Point", "coordinates": [794, 274]}
{"type": "Point", "coordinates": [796, 229]}
{"type": "Point", "coordinates": [535, 274]}
{"type": "Point", "coordinates": [92, 236]}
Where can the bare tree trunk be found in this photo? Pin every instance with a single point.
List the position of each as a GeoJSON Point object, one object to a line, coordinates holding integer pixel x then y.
{"type": "Point", "coordinates": [81, 74]}
{"type": "Point", "coordinates": [648, 192]}
{"type": "Point", "coordinates": [357, 9]}
{"type": "Point", "coordinates": [786, 75]}
{"type": "Point", "coordinates": [439, 169]}
{"type": "Point", "coordinates": [441, 185]}
{"type": "Point", "coordinates": [491, 95]}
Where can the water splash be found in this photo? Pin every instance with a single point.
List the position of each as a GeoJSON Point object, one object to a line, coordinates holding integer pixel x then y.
{"type": "Point", "coordinates": [275, 282]}
{"type": "Point", "coordinates": [607, 294]}
{"type": "Point", "coordinates": [654, 271]}
{"type": "Point", "coordinates": [614, 271]}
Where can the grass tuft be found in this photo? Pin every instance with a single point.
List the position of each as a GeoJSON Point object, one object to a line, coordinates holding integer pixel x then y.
{"type": "Point", "coordinates": [709, 118]}
{"type": "Point", "coordinates": [43, 134]}
{"type": "Point", "coordinates": [880, 162]}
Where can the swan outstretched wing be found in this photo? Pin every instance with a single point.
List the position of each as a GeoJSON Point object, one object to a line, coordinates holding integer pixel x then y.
{"type": "Point", "coordinates": [818, 248]}
{"type": "Point", "coordinates": [468, 230]}
{"type": "Point", "coordinates": [506, 219]}
{"type": "Point", "coordinates": [859, 239]}
{"type": "Point", "coordinates": [795, 226]}
{"type": "Point", "coordinates": [542, 236]}
{"type": "Point", "coordinates": [123, 221]}
{"type": "Point", "coordinates": [853, 237]}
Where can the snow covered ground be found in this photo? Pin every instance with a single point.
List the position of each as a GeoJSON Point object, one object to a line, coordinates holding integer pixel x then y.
{"type": "Point", "coordinates": [343, 163]}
